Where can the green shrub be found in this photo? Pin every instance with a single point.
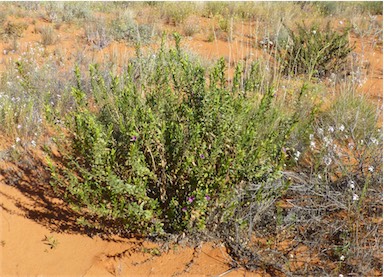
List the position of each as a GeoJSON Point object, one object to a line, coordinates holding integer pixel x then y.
{"type": "Point", "coordinates": [164, 148]}
{"type": "Point", "coordinates": [125, 28]}
{"type": "Point", "coordinates": [337, 8]}
{"type": "Point", "coordinates": [66, 11]}
{"type": "Point", "coordinates": [372, 7]}
{"type": "Point", "coordinates": [176, 13]}
{"type": "Point", "coordinates": [76, 11]}
{"type": "Point", "coordinates": [313, 51]}
{"type": "Point", "coordinates": [212, 9]}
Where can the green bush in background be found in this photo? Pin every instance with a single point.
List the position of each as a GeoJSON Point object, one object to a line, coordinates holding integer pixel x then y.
{"type": "Point", "coordinates": [314, 51]}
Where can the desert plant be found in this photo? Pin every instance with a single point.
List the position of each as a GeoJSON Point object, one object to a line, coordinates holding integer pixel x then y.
{"type": "Point", "coordinates": [367, 26]}
{"type": "Point", "coordinates": [191, 27]}
{"type": "Point", "coordinates": [313, 51]}
{"type": "Point", "coordinates": [212, 9]}
{"type": "Point", "coordinates": [12, 30]}
{"type": "Point", "coordinates": [346, 140]}
{"type": "Point", "coordinates": [28, 90]}
{"type": "Point", "coordinates": [163, 149]}
{"type": "Point", "coordinates": [125, 28]}
{"type": "Point", "coordinates": [50, 241]}
{"type": "Point", "coordinates": [334, 8]}
{"type": "Point", "coordinates": [97, 34]}
{"type": "Point", "coordinates": [343, 165]}
{"type": "Point", "coordinates": [48, 36]}
{"type": "Point", "coordinates": [76, 11]}
{"type": "Point", "coordinates": [336, 181]}
{"type": "Point", "coordinates": [66, 11]}
{"type": "Point", "coordinates": [176, 14]}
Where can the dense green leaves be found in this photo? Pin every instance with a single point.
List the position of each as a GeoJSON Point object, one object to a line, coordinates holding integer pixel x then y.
{"type": "Point", "coordinates": [164, 154]}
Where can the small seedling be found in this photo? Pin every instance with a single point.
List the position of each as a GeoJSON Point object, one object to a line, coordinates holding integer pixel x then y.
{"type": "Point", "coordinates": [152, 251]}
{"type": "Point", "coordinates": [50, 241]}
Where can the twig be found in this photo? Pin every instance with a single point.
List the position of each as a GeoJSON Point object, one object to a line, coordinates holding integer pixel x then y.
{"type": "Point", "coordinates": [228, 271]}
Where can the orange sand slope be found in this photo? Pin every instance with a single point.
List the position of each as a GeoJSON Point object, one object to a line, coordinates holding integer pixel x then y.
{"type": "Point", "coordinates": [30, 249]}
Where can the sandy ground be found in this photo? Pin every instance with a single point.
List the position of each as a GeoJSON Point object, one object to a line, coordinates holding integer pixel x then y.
{"type": "Point", "coordinates": [26, 250]}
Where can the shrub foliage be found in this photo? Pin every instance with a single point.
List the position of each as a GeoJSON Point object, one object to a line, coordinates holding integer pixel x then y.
{"type": "Point", "coordinates": [314, 51]}
{"type": "Point", "coordinates": [159, 149]}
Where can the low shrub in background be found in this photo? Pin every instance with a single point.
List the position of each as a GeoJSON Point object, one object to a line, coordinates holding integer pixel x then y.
{"type": "Point", "coordinates": [65, 11]}
{"type": "Point", "coordinates": [125, 28]}
{"type": "Point", "coordinates": [10, 30]}
{"type": "Point", "coordinates": [330, 8]}
{"type": "Point", "coordinates": [97, 33]}
{"type": "Point", "coordinates": [48, 36]}
{"type": "Point", "coordinates": [176, 13]}
{"type": "Point", "coordinates": [313, 51]}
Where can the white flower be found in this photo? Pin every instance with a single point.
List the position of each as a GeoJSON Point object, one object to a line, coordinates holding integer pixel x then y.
{"type": "Point", "coordinates": [297, 155]}
{"type": "Point", "coordinates": [374, 141]}
{"type": "Point", "coordinates": [342, 258]}
{"type": "Point", "coordinates": [331, 129]}
{"type": "Point", "coordinates": [335, 148]}
{"type": "Point", "coordinates": [313, 144]}
{"type": "Point", "coordinates": [19, 126]}
{"type": "Point", "coordinates": [314, 32]}
{"type": "Point", "coordinates": [33, 143]}
{"type": "Point", "coordinates": [370, 168]}
{"type": "Point", "coordinates": [351, 145]}
{"type": "Point", "coordinates": [328, 141]}
{"type": "Point", "coordinates": [18, 139]}
{"type": "Point", "coordinates": [341, 275]}
{"type": "Point", "coordinates": [327, 161]}
{"type": "Point", "coordinates": [341, 22]}
{"type": "Point", "coordinates": [351, 184]}
{"type": "Point", "coordinates": [319, 176]}
{"type": "Point", "coordinates": [355, 197]}
{"type": "Point", "coordinates": [342, 128]}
